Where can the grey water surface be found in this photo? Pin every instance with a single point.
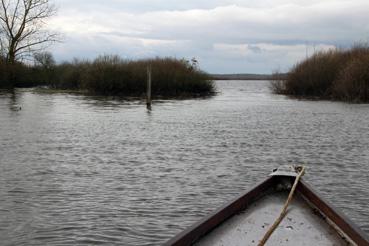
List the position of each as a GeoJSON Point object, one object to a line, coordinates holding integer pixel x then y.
{"type": "Point", "coordinates": [81, 170]}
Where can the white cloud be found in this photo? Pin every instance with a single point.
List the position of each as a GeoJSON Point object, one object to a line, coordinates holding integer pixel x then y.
{"type": "Point", "coordinates": [233, 33]}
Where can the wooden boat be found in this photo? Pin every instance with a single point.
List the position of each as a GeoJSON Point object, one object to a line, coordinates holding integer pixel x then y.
{"type": "Point", "coordinates": [310, 219]}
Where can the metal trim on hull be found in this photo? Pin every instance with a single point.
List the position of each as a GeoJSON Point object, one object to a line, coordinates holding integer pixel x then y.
{"type": "Point", "coordinates": [204, 226]}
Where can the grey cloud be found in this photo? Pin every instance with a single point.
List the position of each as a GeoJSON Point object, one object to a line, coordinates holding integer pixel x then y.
{"type": "Point", "coordinates": [255, 49]}
{"type": "Point", "coordinates": [191, 28]}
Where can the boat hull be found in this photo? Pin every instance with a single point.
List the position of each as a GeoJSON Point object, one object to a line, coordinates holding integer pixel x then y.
{"type": "Point", "coordinates": [338, 229]}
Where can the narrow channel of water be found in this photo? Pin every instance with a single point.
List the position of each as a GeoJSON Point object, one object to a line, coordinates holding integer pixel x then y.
{"type": "Point", "coordinates": [91, 170]}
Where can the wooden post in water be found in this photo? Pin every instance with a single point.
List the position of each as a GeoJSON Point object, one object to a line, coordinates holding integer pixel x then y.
{"type": "Point", "coordinates": [148, 87]}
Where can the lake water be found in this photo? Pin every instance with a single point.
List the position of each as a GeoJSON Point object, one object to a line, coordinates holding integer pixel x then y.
{"type": "Point", "coordinates": [90, 170]}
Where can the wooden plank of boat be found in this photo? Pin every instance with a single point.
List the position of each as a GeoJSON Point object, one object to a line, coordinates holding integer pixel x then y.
{"type": "Point", "coordinates": [310, 219]}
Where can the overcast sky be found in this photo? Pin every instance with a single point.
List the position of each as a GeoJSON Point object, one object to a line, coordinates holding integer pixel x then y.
{"type": "Point", "coordinates": [249, 36]}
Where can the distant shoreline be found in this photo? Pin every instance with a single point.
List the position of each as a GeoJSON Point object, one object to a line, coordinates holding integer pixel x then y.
{"type": "Point", "coordinates": [243, 76]}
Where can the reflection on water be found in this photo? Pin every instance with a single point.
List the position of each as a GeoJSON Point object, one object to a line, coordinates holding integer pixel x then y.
{"type": "Point", "coordinates": [91, 170]}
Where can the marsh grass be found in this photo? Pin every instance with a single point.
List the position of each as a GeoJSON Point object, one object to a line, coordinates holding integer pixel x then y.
{"type": "Point", "coordinates": [353, 81]}
{"type": "Point", "coordinates": [170, 77]}
{"type": "Point", "coordinates": [112, 75]}
{"type": "Point", "coordinates": [334, 74]}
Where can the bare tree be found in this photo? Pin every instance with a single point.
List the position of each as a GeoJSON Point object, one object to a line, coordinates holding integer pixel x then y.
{"type": "Point", "coordinates": [21, 27]}
{"type": "Point", "coordinates": [44, 59]}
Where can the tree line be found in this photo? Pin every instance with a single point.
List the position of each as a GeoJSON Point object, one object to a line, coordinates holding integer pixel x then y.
{"type": "Point", "coordinates": [24, 62]}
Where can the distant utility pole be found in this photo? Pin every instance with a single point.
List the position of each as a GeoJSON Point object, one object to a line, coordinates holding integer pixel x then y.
{"type": "Point", "coordinates": [148, 87]}
{"type": "Point", "coordinates": [306, 50]}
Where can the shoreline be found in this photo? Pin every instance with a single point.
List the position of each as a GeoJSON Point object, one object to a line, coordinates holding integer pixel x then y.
{"type": "Point", "coordinates": [245, 76]}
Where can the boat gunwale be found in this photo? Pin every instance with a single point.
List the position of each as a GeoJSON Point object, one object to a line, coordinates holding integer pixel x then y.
{"type": "Point", "coordinates": [340, 220]}
{"type": "Point", "coordinates": [212, 220]}
{"type": "Point", "coordinates": [240, 203]}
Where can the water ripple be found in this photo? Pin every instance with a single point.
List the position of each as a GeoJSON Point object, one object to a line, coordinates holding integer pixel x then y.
{"type": "Point", "coordinates": [103, 171]}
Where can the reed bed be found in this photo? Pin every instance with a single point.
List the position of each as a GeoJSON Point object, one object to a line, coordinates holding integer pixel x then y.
{"type": "Point", "coordinates": [334, 74]}
{"type": "Point", "coordinates": [112, 75]}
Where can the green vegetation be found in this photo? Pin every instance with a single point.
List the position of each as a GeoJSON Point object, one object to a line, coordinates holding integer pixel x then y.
{"type": "Point", "coordinates": [110, 75]}
{"type": "Point", "coordinates": [334, 74]}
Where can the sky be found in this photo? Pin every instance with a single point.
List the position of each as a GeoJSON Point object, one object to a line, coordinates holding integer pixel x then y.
{"type": "Point", "coordinates": [249, 36]}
